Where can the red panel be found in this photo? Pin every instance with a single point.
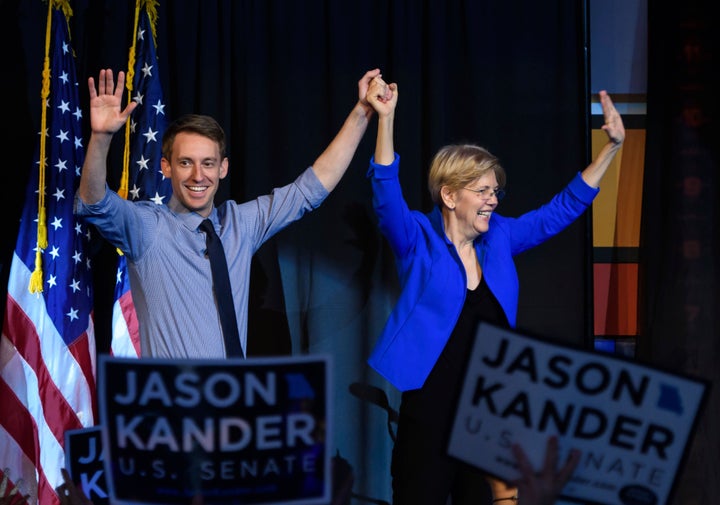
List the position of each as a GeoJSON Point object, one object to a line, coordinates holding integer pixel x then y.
{"type": "Point", "coordinates": [615, 295]}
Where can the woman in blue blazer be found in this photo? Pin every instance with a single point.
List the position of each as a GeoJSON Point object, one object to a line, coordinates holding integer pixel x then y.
{"type": "Point", "coordinates": [455, 266]}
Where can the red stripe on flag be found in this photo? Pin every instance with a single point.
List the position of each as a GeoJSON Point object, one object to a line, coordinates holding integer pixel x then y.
{"type": "Point", "coordinates": [127, 306]}
{"type": "Point", "coordinates": [81, 351]}
{"type": "Point", "coordinates": [17, 427]}
{"type": "Point", "coordinates": [16, 421]}
{"type": "Point", "coordinates": [59, 415]}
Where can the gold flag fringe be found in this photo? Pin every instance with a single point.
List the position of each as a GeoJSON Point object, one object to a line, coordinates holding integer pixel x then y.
{"type": "Point", "coordinates": [36, 278]}
{"type": "Point", "coordinates": [151, 8]}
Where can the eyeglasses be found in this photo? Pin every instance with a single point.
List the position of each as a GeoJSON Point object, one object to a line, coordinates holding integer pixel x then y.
{"type": "Point", "coordinates": [487, 193]}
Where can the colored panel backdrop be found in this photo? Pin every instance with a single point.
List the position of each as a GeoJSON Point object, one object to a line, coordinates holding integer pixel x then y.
{"type": "Point", "coordinates": [616, 235]}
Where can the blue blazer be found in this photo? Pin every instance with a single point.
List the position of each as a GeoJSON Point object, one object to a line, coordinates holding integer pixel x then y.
{"type": "Point", "coordinates": [432, 277]}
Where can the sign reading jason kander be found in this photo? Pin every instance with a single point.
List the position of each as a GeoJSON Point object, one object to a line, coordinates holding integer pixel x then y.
{"type": "Point", "coordinates": [232, 431]}
{"type": "Point", "coordinates": [630, 421]}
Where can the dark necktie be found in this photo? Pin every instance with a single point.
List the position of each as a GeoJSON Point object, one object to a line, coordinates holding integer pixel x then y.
{"type": "Point", "coordinates": [221, 286]}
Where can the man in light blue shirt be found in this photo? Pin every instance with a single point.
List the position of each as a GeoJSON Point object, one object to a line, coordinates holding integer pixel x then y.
{"type": "Point", "coordinates": [170, 274]}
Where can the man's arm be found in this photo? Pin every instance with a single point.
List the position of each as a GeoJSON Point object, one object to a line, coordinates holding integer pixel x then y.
{"type": "Point", "coordinates": [331, 165]}
{"type": "Point", "coordinates": [106, 118]}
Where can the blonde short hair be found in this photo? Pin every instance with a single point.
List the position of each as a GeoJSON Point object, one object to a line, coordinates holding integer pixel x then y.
{"type": "Point", "coordinates": [456, 166]}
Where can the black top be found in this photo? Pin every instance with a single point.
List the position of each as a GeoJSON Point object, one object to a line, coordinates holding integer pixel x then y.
{"type": "Point", "coordinates": [435, 402]}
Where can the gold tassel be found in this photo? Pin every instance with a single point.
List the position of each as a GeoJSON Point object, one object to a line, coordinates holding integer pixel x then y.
{"type": "Point", "coordinates": [36, 278]}
{"type": "Point", "coordinates": [129, 77]}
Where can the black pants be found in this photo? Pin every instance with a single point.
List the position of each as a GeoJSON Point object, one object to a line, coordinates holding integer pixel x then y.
{"type": "Point", "coordinates": [423, 473]}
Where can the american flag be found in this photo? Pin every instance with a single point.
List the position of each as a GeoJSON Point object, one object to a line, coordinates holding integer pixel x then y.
{"type": "Point", "coordinates": [47, 349]}
{"type": "Point", "coordinates": [145, 180]}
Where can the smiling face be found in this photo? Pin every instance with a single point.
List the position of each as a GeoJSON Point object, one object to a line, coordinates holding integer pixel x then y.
{"type": "Point", "coordinates": [470, 208]}
{"type": "Point", "coordinates": [464, 180]}
{"type": "Point", "coordinates": [195, 168]}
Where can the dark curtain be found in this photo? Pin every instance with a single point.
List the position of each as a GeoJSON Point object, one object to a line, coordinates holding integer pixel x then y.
{"type": "Point", "coordinates": [680, 250]}
{"type": "Point", "coordinates": [281, 76]}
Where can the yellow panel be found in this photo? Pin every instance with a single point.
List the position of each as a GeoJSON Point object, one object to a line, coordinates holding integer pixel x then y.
{"type": "Point", "coordinates": [618, 208]}
{"type": "Point", "coordinates": [604, 209]}
{"type": "Point", "coordinates": [630, 192]}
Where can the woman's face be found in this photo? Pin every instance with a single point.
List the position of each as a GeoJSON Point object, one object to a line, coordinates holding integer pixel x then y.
{"type": "Point", "coordinates": [475, 203]}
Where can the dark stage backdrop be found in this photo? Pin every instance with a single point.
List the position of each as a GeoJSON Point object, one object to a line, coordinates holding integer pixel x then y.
{"type": "Point", "coordinates": [680, 248]}
{"type": "Point", "coordinates": [281, 76]}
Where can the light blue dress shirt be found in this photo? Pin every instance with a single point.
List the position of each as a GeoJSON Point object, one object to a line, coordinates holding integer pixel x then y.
{"type": "Point", "coordinates": [170, 276]}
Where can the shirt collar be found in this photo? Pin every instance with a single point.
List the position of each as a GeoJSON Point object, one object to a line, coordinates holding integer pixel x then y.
{"type": "Point", "coordinates": [189, 218]}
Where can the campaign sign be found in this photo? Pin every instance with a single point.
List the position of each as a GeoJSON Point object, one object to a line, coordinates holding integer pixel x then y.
{"type": "Point", "coordinates": [216, 431]}
{"type": "Point", "coordinates": [630, 421]}
{"type": "Point", "coordinates": [84, 460]}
